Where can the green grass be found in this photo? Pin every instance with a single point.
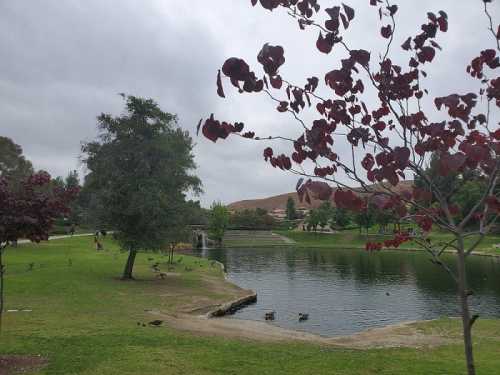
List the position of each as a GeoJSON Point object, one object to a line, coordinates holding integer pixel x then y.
{"type": "Point", "coordinates": [352, 239]}
{"type": "Point", "coordinates": [252, 238]}
{"type": "Point", "coordinates": [84, 321]}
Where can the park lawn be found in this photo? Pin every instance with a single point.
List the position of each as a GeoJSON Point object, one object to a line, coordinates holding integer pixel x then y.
{"type": "Point", "coordinates": [351, 239]}
{"type": "Point", "coordinates": [84, 322]}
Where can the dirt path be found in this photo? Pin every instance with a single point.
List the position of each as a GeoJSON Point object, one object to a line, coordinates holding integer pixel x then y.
{"type": "Point", "coordinates": [400, 335]}
{"type": "Point", "coordinates": [60, 237]}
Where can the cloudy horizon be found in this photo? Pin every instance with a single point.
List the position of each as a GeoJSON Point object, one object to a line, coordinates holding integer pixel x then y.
{"type": "Point", "coordinates": [64, 63]}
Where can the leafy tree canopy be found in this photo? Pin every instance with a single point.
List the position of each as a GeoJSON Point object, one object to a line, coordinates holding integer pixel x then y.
{"type": "Point", "coordinates": [12, 162]}
{"type": "Point", "coordinates": [218, 221]}
{"type": "Point", "coordinates": [140, 169]}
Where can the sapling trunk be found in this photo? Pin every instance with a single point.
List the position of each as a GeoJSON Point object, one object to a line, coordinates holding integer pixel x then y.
{"type": "Point", "coordinates": [464, 305]}
{"type": "Point", "coordinates": [129, 266]}
{"type": "Point", "coordinates": [1, 285]}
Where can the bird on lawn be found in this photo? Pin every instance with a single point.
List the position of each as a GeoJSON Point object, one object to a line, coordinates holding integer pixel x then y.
{"type": "Point", "coordinates": [156, 323]}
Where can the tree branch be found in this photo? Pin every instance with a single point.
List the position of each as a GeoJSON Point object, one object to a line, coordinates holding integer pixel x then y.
{"type": "Point", "coordinates": [491, 24]}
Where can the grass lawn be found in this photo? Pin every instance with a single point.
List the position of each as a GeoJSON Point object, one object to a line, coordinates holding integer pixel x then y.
{"type": "Point", "coordinates": [84, 318]}
{"type": "Point", "coordinates": [352, 239]}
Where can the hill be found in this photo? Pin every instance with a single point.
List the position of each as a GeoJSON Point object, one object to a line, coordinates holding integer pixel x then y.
{"type": "Point", "coordinates": [279, 201]}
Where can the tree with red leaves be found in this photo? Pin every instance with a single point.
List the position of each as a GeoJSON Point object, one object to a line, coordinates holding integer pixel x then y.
{"type": "Point", "coordinates": [28, 208]}
{"type": "Point", "coordinates": [390, 138]}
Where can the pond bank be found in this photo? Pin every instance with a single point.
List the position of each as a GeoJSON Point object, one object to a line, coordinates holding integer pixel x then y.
{"type": "Point", "coordinates": [346, 241]}
{"type": "Point", "coordinates": [402, 335]}
{"type": "Point", "coordinates": [213, 322]}
{"type": "Point", "coordinates": [98, 333]}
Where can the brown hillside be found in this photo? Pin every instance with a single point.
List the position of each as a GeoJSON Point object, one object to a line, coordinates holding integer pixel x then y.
{"type": "Point", "coordinates": [279, 201]}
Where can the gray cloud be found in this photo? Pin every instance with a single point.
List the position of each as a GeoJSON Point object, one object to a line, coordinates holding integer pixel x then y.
{"type": "Point", "coordinates": [63, 63]}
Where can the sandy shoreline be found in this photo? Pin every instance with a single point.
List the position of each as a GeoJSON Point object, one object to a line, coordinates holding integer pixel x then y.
{"type": "Point", "coordinates": [203, 319]}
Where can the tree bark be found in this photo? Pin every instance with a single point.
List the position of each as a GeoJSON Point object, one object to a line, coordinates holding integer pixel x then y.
{"type": "Point", "coordinates": [464, 304]}
{"type": "Point", "coordinates": [129, 266]}
{"type": "Point", "coordinates": [1, 286]}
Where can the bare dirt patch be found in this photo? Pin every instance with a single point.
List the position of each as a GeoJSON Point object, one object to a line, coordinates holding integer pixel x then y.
{"type": "Point", "coordinates": [20, 364]}
{"type": "Point", "coordinates": [401, 335]}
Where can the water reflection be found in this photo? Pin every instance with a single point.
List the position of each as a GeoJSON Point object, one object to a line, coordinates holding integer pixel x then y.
{"type": "Point", "coordinates": [346, 291]}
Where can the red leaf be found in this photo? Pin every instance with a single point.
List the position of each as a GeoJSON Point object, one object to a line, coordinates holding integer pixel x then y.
{"type": "Point", "coordinates": [368, 162]}
{"type": "Point", "coordinates": [268, 153]}
{"type": "Point", "coordinates": [386, 31]}
{"type": "Point", "coordinates": [426, 54]}
{"type": "Point", "coordinates": [271, 58]}
{"type": "Point", "coordinates": [496, 134]}
{"type": "Point", "coordinates": [451, 163]}
{"type": "Point", "coordinates": [320, 190]}
{"type": "Point", "coordinates": [348, 200]}
{"type": "Point", "coordinates": [401, 156]}
{"type": "Point", "coordinates": [249, 135]}
{"type": "Point", "coordinates": [360, 56]}
{"type": "Point", "coordinates": [276, 82]}
{"type": "Point", "coordinates": [407, 44]}
{"type": "Point", "coordinates": [254, 2]}
{"type": "Point", "coordinates": [283, 107]}
{"type": "Point", "coordinates": [238, 126]}
{"type": "Point", "coordinates": [220, 90]}
{"type": "Point", "coordinates": [323, 44]}
{"type": "Point", "coordinates": [443, 24]}
{"type": "Point", "coordinates": [345, 22]}
{"type": "Point", "coordinates": [348, 11]}
{"type": "Point", "coordinates": [493, 204]}
{"type": "Point", "coordinates": [392, 9]}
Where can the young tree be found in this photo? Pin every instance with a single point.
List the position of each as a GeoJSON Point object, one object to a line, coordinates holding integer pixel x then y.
{"type": "Point", "coordinates": [340, 218]}
{"type": "Point", "coordinates": [325, 214]}
{"type": "Point", "coordinates": [140, 171]}
{"type": "Point", "coordinates": [383, 218]}
{"type": "Point", "coordinates": [390, 137]}
{"type": "Point", "coordinates": [218, 222]}
{"type": "Point", "coordinates": [291, 212]}
{"type": "Point", "coordinates": [28, 208]}
{"type": "Point", "coordinates": [313, 219]}
{"type": "Point", "coordinates": [365, 218]}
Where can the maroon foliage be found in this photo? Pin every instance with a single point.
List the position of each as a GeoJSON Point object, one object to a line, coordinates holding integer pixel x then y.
{"type": "Point", "coordinates": [28, 208]}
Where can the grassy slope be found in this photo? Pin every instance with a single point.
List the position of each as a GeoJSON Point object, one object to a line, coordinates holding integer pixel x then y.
{"type": "Point", "coordinates": [352, 239]}
{"type": "Point", "coordinates": [84, 321]}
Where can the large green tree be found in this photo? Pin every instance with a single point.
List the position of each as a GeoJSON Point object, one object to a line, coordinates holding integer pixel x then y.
{"type": "Point", "coordinates": [141, 167]}
{"type": "Point", "coordinates": [13, 164]}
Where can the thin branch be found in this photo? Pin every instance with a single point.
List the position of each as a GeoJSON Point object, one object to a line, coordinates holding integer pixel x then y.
{"type": "Point", "coordinates": [392, 33]}
{"type": "Point", "coordinates": [491, 25]}
{"type": "Point", "coordinates": [288, 110]}
{"type": "Point", "coordinates": [436, 260]}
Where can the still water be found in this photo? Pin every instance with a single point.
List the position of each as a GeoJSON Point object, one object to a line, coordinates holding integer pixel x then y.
{"type": "Point", "coordinates": [348, 291]}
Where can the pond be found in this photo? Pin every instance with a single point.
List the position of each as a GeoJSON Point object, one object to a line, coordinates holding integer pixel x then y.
{"type": "Point", "coordinates": [348, 291]}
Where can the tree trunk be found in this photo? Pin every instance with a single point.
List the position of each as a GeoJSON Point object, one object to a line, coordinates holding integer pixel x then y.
{"type": "Point", "coordinates": [464, 304]}
{"type": "Point", "coordinates": [127, 272]}
{"type": "Point", "coordinates": [1, 286]}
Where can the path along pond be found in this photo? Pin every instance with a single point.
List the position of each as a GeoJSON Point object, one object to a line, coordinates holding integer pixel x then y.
{"type": "Point", "coordinates": [348, 291]}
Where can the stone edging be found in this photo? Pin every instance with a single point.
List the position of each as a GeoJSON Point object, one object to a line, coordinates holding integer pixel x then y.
{"type": "Point", "coordinates": [232, 306]}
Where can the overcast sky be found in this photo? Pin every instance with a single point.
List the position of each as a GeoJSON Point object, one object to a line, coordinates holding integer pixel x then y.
{"type": "Point", "coordinates": [63, 63]}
